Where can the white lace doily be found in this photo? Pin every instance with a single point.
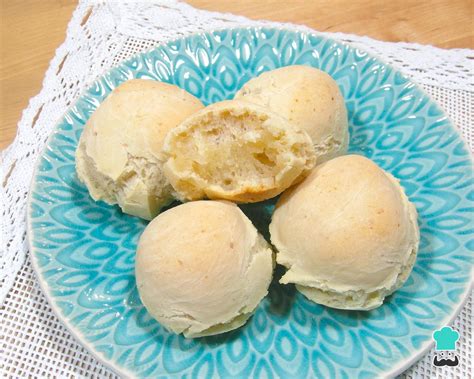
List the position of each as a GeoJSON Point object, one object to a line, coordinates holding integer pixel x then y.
{"type": "Point", "coordinates": [100, 35]}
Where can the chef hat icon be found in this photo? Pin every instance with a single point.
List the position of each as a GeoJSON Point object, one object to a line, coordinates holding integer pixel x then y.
{"type": "Point", "coordinates": [445, 338]}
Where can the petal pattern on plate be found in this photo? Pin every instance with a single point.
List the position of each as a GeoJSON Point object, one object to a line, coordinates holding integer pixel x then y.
{"type": "Point", "coordinates": [85, 250]}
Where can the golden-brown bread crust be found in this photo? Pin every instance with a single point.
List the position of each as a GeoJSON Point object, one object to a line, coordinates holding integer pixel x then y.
{"type": "Point", "coordinates": [202, 268]}
{"type": "Point", "coordinates": [309, 99]}
{"type": "Point", "coordinates": [347, 234]}
{"type": "Point", "coordinates": [119, 153]}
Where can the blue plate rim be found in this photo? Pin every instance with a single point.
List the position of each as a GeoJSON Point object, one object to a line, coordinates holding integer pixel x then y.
{"type": "Point", "coordinates": [122, 371]}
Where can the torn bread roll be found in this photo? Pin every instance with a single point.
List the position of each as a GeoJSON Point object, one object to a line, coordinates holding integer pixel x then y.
{"type": "Point", "coordinates": [238, 151]}
{"type": "Point", "coordinates": [347, 234]}
{"type": "Point", "coordinates": [202, 268]}
{"type": "Point", "coordinates": [119, 153]}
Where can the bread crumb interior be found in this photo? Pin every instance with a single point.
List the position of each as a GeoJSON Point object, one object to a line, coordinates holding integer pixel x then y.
{"type": "Point", "coordinates": [231, 149]}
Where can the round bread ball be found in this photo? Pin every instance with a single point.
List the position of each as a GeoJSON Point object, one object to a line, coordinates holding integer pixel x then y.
{"type": "Point", "coordinates": [348, 234]}
{"type": "Point", "coordinates": [202, 268]}
{"type": "Point", "coordinates": [119, 155]}
{"type": "Point", "coordinates": [309, 99]}
{"type": "Point", "coordinates": [238, 151]}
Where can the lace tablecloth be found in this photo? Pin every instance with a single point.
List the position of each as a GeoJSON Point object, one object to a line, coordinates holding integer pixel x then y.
{"type": "Point", "coordinates": [100, 35]}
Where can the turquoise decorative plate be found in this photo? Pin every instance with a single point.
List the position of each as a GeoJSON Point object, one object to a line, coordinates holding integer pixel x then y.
{"type": "Point", "coordinates": [83, 251]}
